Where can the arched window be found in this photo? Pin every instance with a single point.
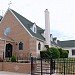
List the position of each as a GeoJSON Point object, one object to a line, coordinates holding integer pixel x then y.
{"type": "Point", "coordinates": [39, 46]}
{"type": "Point", "coordinates": [20, 46]}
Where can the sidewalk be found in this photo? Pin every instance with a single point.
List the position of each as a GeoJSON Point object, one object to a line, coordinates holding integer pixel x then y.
{"type": "Point", "coordinates": [11, 73]}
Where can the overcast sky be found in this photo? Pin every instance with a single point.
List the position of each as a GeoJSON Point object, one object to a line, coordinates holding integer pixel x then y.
{"type": "Point", "coordinates": [62, 14]}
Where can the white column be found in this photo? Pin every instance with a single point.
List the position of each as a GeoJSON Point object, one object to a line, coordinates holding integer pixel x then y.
{"type": "Point", "coordinates": [47, 28]}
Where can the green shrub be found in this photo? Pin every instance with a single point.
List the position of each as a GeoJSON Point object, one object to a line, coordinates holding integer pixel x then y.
{"type": "Point", "coordinates": [50, 53]}
{"type": "Point", "coordinates": [67, 51]}
{"type": "Point", "coordinates": [61, 51]}
{"type": "Point", "coordinates": [13, 58]}
{"type": "Point", "coordinates": [54, 52]}
{"type": "Point", "coordinates": [65, 54]}
{"type": "Point", "coordinates": [43, 54]}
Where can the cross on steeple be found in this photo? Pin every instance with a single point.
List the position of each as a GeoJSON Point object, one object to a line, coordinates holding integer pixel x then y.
{"type": "Point", "coordinates": [9, 4]}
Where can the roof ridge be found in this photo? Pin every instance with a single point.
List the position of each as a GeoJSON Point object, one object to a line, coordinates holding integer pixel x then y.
{"type": "Point", "coordinates": [25, 18]}
{"type": "Point", "coordinates": [66, 40]}
{"type": "Point", "coordinates": [20, 15]}
{"type": "Point", "coordinates": [26, 23]}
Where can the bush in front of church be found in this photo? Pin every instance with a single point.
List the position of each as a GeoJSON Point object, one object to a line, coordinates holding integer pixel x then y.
{"type": "Point", "coordinates": [44, 54]}
{"type": "Point", "coordinates": [13, 58]}
{"type": "Point", "coordinates": [63, 53]}
{"type": "Point", "coordinates": [51, 52]}
{"type": "Point", "coordinates": [54, 52]}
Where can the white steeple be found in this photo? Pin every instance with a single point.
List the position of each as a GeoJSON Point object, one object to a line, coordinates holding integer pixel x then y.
{"type": "Point", "coordinates": [47, 28]}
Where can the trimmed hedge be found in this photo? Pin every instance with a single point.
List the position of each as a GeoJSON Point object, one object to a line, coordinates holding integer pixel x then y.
{"type": "Point", "coordinates": [43, 54]}
{"type": "Point", "coordinates": [54, 53]}
{"type": "Point", "coordinates": [50, 53]}
{"type": "Point", "coordinates": [64, 54]}
{"type": "Point", "coordinates": [61, 51]}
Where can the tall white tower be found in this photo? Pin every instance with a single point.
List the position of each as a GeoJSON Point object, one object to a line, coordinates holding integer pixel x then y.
{"type": "Point", "coordinates": [47, 28]}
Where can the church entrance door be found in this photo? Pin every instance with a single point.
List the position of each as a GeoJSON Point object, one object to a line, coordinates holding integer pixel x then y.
{"type": "Point", "coordinates": [8, 52]}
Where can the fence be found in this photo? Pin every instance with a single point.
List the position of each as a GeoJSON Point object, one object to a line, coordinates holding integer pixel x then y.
{"type": "Point", "coordinates": [19, 57]}
{"type": "Point", "coordinates": [46, 66]}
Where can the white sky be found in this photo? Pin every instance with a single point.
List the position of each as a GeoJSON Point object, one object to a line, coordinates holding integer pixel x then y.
{"type": "Point", "coordinates": [62, 14]}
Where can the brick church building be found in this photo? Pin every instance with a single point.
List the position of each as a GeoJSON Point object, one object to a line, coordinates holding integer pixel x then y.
{"type": "Point", "coordinates": [21, 37]}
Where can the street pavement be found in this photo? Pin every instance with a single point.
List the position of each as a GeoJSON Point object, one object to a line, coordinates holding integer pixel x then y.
{"type": "Point", "coordinates": [11, 73]}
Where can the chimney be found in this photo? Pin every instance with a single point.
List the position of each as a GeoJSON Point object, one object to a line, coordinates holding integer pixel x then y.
{"type": "Point", "coordinates": [47, 28]}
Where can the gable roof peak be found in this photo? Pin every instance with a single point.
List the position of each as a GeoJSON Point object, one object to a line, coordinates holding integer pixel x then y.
{"type": "Point", "coordinates": [27, 24]}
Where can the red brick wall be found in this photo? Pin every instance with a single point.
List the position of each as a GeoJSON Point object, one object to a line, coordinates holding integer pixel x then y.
{"type": "Point", "coordinates": [15, 67]}
{"type": "Point", "coordinates": [17, 33]}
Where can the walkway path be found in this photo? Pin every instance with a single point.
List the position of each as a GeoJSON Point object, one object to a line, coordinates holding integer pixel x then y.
{"type": "Point", "coordinates": [11, 73]}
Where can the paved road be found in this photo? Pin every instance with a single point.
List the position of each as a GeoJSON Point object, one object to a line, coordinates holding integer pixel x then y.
{"type": "Point", "coordinates": [11, 73]}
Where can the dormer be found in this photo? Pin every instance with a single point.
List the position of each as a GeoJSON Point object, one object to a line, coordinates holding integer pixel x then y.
{"type": "Point", "coordinates": [34, 28]}
{"type": "Point", "coordinates": [55, 39]}
{"type": "Point", "coordinates": [51, 36]}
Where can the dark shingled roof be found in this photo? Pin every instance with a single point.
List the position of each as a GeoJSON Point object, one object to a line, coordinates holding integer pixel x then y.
{"type": "Point", "coordinates": [68, 43]}
{"type": "Point", "coordinates": [55, 38]}
{"type": "Point", "coordinates": [54, 43]}
{"type": "Point", "coordinates": [29, 24]}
